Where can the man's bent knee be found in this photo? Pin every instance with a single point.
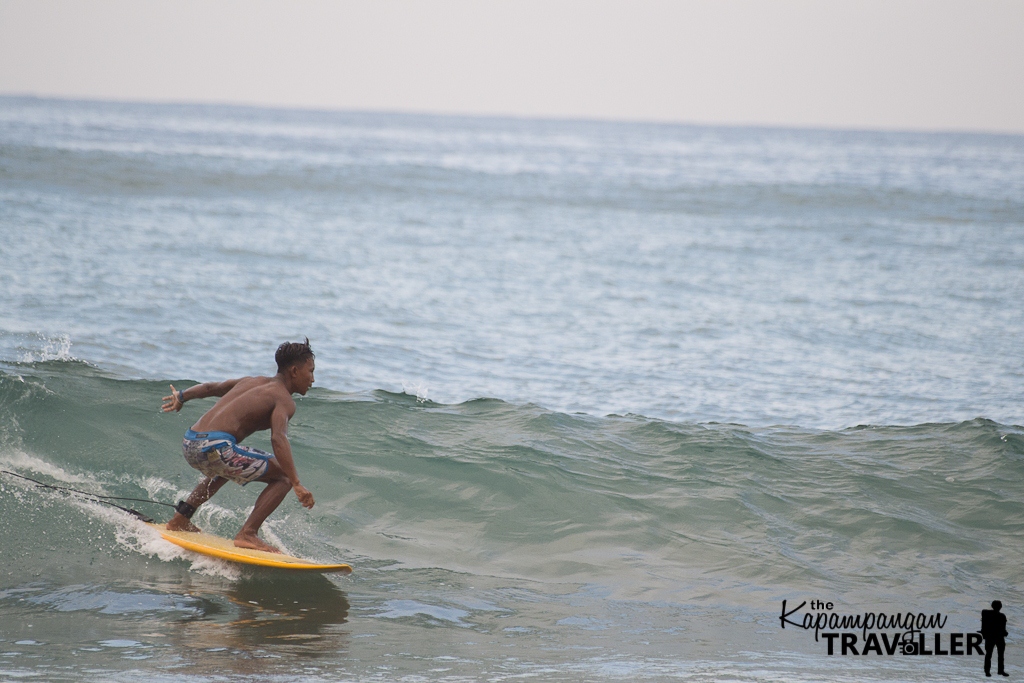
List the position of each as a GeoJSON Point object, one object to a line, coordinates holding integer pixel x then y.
{"type": "Point", "coordinates": [274, 474]}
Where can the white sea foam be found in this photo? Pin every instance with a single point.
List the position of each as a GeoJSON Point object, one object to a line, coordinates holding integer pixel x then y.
{"type": "Point", "coordinates": [20, 461]}
{"type": "Point", "coordinates": [417, 389]}
{"type": "Point", "coordinates": [52, 348]}
{"type": "Point", "coordinates": [137, 536]}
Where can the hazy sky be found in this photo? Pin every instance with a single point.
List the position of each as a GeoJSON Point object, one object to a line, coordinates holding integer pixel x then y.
{"type": "Point", "coordinates": [908, 64]}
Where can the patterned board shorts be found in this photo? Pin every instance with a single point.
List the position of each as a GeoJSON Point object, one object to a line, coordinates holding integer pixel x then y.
{"type": "Point", "coordinates": [217, 454]}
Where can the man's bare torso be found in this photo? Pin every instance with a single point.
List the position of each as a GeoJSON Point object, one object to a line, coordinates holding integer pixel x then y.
{"type": "Point", "coordinates": [247, 407]}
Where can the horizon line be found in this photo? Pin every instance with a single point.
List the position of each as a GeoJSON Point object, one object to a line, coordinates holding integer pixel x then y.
{"type": "Point", "coordinates": [551, 118]}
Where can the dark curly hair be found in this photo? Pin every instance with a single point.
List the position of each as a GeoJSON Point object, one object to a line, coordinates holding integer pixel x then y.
{"type": "Point", "coordinates": [291, 353]}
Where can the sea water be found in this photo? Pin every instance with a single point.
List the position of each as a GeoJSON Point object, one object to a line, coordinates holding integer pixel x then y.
{"type": "Point", "coordinates": [592, 398]}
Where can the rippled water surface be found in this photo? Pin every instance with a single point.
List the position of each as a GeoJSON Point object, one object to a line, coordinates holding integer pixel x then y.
{"type": "Point", "coordinates": [757, 276]}
{"type": "Point", "coordinates": [592, 398]}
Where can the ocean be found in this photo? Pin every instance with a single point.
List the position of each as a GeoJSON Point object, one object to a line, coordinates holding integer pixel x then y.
{"type": "Point", "coordinates": [593, 398]}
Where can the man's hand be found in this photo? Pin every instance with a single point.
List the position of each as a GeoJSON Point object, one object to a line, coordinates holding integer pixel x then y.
{"type": "Point", "coordinates": [304, 496]}
{"type": "Point", "coordinates": [172, 402]}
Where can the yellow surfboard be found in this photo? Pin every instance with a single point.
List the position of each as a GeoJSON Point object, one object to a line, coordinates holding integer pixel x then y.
{"type": "Point", "coordinates": [223, 548]}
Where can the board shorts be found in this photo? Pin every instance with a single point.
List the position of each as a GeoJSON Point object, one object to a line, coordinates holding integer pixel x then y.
{"type": "Point", "coordinates": [217, 454]}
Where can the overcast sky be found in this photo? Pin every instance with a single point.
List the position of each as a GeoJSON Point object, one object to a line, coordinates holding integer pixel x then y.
{"type": "Point", "coordinates": [903, 64]}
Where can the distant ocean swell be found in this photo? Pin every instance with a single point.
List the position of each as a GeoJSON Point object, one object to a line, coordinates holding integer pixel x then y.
{"type": "Point", "coordinates": [205, 171]}
{"type": "Point", "coordinates": [694, 274]}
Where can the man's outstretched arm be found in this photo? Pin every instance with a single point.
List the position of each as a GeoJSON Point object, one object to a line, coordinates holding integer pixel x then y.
{"type": "Point", "coordinates": [283, 453]}
{"type": "Point", "coordinates": [177, 399]}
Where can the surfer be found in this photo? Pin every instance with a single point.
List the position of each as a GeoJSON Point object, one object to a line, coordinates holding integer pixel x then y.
{"type": "Point", "coordinates": [247, 405]}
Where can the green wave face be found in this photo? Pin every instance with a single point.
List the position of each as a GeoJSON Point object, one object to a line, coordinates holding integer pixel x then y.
{"type": "Point", "coordinates": [487, 516]}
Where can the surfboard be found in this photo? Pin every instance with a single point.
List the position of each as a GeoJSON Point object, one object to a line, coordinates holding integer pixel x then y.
{"type": "Point", "coordinates": [224, 549]}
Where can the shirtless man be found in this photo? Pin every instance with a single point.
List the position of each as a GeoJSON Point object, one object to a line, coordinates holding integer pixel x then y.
{"type": "Point", "coordinates": [249, 404]}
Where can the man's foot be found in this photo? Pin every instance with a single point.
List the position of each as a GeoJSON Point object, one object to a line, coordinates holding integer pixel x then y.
{"type": "Point", "coordinates": [254, 542]}
{"type": "Point", "coordinates": [180, 522]}
{"type": "Point", "coordinates": [1003, 673]}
